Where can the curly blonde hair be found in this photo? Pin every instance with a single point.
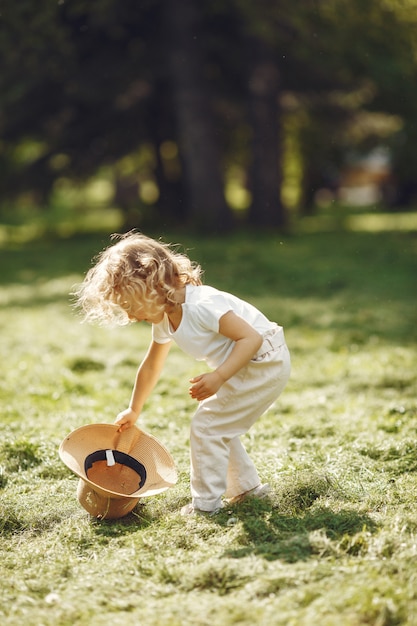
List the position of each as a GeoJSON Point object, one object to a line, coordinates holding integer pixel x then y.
{"type": "Point", "coordinates": [135, 273]}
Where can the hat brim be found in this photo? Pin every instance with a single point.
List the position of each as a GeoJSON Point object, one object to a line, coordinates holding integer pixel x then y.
{"type": "Point", "coordinates": [142, 447]}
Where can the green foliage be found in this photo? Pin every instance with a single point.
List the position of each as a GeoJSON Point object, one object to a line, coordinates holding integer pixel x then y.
{"type": "Point", "coordinates": [335, 542]}
{"type": "Point", "coordinates": [347, 82]}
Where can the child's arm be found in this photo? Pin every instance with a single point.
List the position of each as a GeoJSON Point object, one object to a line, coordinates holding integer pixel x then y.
{"type": "Point", "coordinates": [146, 378]}
{"type": "Point", "coordinates": [247, 343]}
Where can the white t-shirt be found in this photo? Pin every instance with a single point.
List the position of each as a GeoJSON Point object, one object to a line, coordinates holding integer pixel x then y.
{"type": "Point", "coordinates": [198, 332]}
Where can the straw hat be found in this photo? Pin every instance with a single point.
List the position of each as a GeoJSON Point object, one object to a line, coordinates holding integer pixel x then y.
{"type": "Point", "coordinates": [116, 469]}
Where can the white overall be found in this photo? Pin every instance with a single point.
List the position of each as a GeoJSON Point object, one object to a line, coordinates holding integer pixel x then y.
{"type": "Point", "coordinates": [220, 464]}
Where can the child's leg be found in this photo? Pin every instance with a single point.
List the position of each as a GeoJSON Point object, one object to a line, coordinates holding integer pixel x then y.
{"type": "Point", "coordinates": [241, 472]}
{"type": "Point", "coordinates": [209, 459]}
{"type": "Point", "coordinates": [216, 451]}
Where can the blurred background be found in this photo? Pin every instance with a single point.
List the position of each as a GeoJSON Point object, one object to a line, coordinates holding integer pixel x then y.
{"type": "Point", "coordinates": [207, 114]}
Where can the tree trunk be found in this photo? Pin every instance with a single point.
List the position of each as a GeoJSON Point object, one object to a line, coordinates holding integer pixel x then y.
{"type": "Point", "coordinates": [263, 95]}
{"type": "Point", "coordinates": [203, 180]}
{"type": "Point", "coordinates": [171, 208]}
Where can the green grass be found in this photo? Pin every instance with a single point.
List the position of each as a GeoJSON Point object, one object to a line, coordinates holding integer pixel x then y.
{"type": "Point", "coordinates": [335, 545]}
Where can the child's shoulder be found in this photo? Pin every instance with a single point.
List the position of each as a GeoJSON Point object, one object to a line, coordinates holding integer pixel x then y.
{"type": "Point", "coordinates": [203, 292]}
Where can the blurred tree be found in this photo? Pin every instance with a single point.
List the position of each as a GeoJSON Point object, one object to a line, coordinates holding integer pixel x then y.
{"type": "Point", "coordinates": [363, 57]}
{"type": "Point", "coordinates": [263, 98]}
{"type": "Point", "coordinates": [196, 129]}
{"type": "Point", "coordinates": [104, 94]}
{"type": "Point", "coordinates": [72, 86]}
{"type": "Point", "coordinates": [178, 93]}
{"type": "Point", "coordinates": [395, 75]}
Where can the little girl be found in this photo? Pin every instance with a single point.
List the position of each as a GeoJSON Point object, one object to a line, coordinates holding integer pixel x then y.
{"type": "Point", "coordinates": [139, 279]}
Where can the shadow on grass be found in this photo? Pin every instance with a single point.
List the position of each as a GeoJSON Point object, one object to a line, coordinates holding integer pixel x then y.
{"type": "Point", "coordinates": [269, 533]}
{"type": "Point", "coordinates": [138, 519]}
{"type": "Point", "coordinates": [295, 525]}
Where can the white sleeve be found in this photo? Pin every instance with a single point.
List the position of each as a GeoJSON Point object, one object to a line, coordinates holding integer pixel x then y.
{"type": "Point", "coordinates": [211, 310]}
{"type": "Point", "coordinates": [159, 334]}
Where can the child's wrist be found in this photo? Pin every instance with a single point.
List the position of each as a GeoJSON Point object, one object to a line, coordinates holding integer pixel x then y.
{"type": "Point", "coordinates": [222, 378]}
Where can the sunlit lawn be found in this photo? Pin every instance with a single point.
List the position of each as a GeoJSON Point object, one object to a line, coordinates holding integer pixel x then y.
{"type": "Point", "coordinates": [337, 542]}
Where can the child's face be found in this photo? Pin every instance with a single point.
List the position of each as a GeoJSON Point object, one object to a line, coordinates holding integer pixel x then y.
{"type": "Point", "coordinates": [139, 313]}
{"type": "Point", "coordinates": [142, 316]}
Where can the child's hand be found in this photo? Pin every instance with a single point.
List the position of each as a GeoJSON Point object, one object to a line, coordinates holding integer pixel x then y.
{"type": "Point", "coordinates": [205, 385]}
{"type": "Point", "coordinates": [126, 419]}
